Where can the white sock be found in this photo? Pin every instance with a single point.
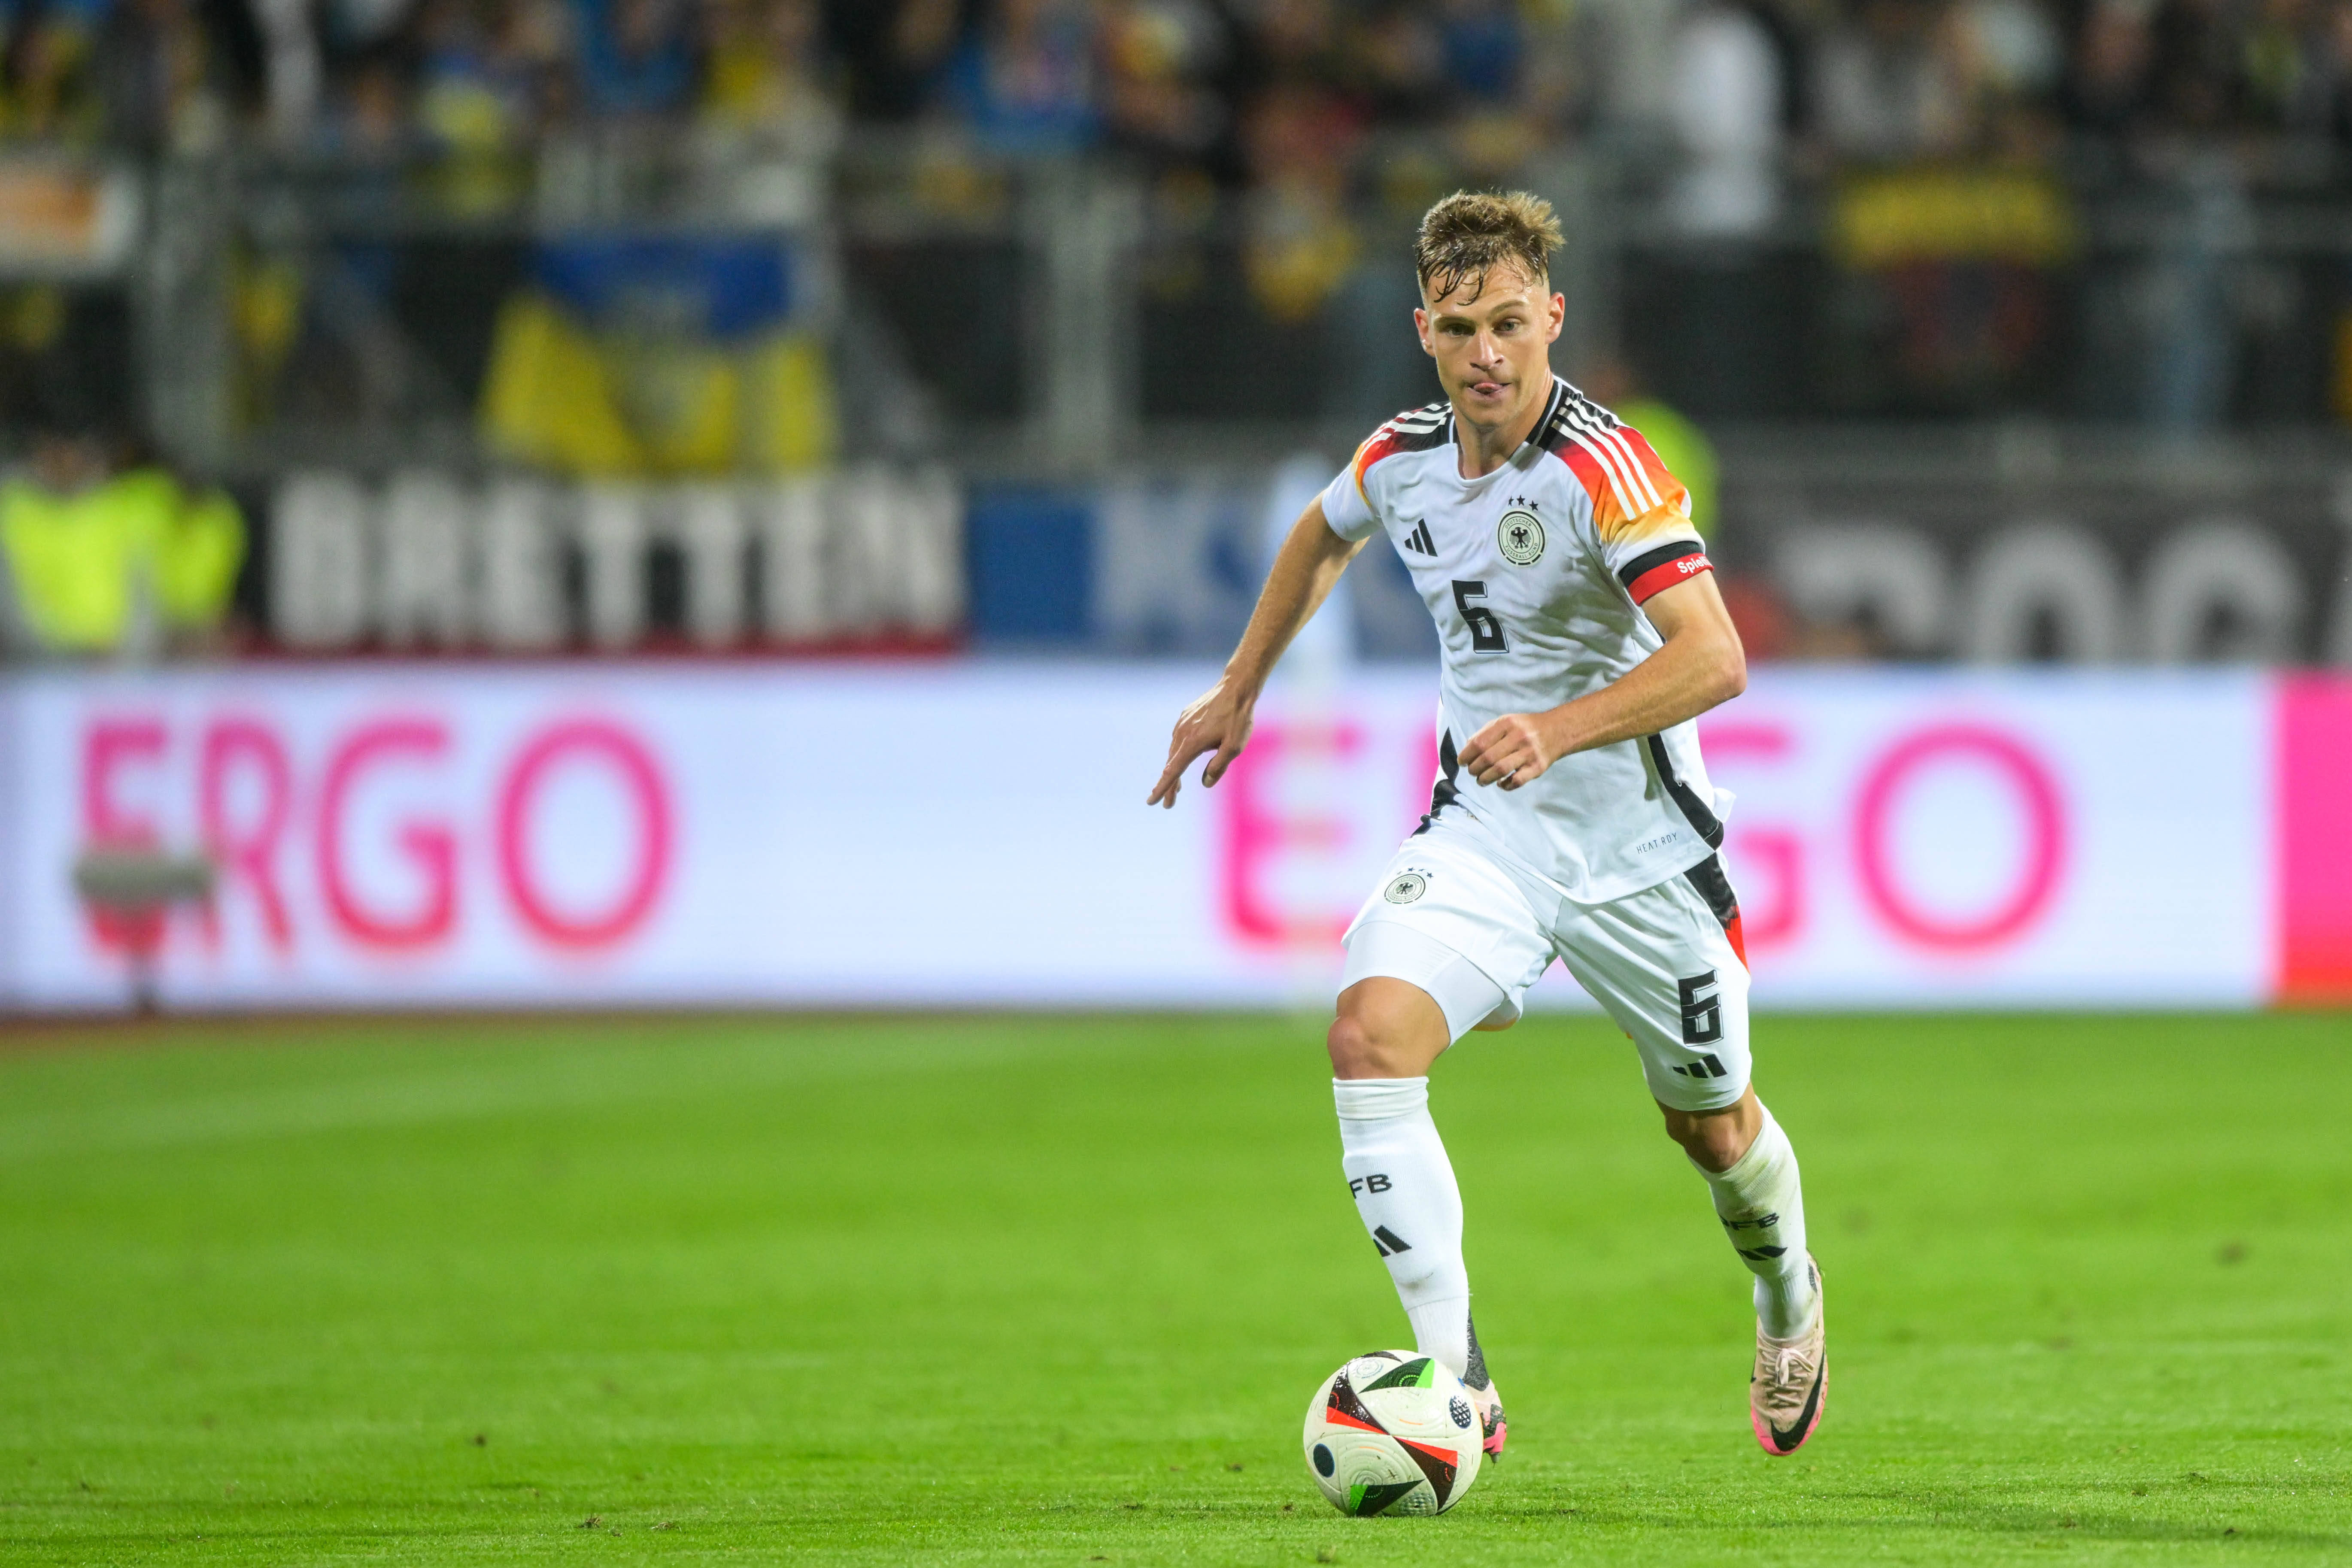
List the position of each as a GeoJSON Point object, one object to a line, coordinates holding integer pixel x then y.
{"type": "Point", "coordinates": [1404, 1191]}
{"type": "Point", "coordinates": [1762, 1206]}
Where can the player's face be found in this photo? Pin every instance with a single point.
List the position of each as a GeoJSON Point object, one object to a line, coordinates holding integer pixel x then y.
{"type": "Point", "coordinates": [1491, 345]}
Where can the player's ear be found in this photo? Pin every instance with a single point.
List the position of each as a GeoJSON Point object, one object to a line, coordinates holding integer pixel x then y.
{"type": "Point", "coordinates": [1421, 330]}
{"type": "Point", "coordinates": [1559, 312]}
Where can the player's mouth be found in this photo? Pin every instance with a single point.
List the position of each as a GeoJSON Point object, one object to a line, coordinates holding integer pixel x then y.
{"type": "Point", "coordinates": [1489, 388]}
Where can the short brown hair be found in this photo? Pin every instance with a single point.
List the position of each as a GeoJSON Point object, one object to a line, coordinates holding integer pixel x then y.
{"type": "Point", "coordinates": [1471, 233]}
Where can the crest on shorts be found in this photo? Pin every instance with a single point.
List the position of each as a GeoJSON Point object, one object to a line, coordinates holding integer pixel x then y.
{"type": "Point", "coordinates": [1520, 537]}
{"type": "Point", "coordinates": [1405, 887]}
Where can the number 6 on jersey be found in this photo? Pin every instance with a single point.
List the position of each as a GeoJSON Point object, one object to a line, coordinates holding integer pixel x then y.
{"type": "Point", "coordinates": [1486, 631]}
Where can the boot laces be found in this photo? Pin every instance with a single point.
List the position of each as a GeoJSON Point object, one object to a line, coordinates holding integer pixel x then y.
{"type": "Point", "coordinates": [1788, 1369]}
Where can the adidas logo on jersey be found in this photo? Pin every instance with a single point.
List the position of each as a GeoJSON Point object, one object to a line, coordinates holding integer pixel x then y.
{"type": "Point", "coordinates": [1419, 541]}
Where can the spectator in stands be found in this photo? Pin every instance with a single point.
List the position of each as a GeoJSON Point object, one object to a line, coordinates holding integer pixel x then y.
{"type": "Point", "coordinates": [2198, 68]}
{"type": "Point", "coordinates": [2289, 84]}
{"type": "Point", "coordinates": [894, 51]}
{"type": "Point", "coordinates": [1025, 82]}
{"type": "Point", "coordinates": [1400, 65]}
{"type": "Point", "coordinates": [1565, 56]}
{"type": "Point", "coordinates": [351, 31]}
{"type": "Point", "coordinates": [1482, 41]}
{"type": "Point", "coordinates": [635, 58]}
{"type": "Point", "coordinates": [175, 77]}
{"type": "Point", "coordinates": [1888, 87]}
{"type": "Point", "coordinates": [1491, 136]}
{"type": "Point", "coordinates": [100, 561]}
{"type": "Point", "coordinates": [1889, 81]}
{"type": "Point", "coordinates": [48, 90]}
{"type": "Point", "coordinates": [538, 47]}
{"type": "Point", "coordinates": [1160, 62]}
{"type": "Point", "coordinates": [494, 74]}
{"type": "Point", "coordinates": [763, 72]}
{"type": "Point", "coordinates": [1291, 42]}
{"type": "Point", "coordinates": [2009, 59]}
{"type": "Point", "coordinates": [473, 97]}
{"type": "Point", "coordinates": [369, 122]}
{"type": "Point", "coordinates": [2109, 87]}
{"type": "Point", "coordinates": [292, 68]}
{"type": "Point", "coordinates": [1727, 106]}
{"type": "Point", "coordinates": [1301, 140]}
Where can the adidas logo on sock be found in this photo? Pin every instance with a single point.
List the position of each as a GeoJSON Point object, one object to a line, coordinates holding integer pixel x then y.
{"type": "Point", "coordinates": [1419, 541]}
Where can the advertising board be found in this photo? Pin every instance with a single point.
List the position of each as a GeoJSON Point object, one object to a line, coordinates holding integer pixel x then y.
{"type": "Point", "coordinates": [387, 835]}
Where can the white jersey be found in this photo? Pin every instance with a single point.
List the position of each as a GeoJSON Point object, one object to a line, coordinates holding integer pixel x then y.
{"type": "Point", "coordinates": [1535, 575]}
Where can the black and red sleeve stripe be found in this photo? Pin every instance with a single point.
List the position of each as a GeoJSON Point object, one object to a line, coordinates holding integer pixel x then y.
{"type": "Point", "coordinates": [1668, 565]}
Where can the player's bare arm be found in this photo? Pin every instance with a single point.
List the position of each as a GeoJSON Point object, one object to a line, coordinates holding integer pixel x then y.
{"type": "Point", "coordinates": [1700, 666]}
{"type": "Point", "coordinates": [1305, 569]}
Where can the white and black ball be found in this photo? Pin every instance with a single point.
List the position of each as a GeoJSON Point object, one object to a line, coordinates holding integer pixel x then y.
{"type": "Point", "coordinates": [1392, 1432]}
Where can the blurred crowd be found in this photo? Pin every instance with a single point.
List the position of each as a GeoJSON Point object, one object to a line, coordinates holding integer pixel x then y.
{"type": "Point", "coordinates": [1207, 88]}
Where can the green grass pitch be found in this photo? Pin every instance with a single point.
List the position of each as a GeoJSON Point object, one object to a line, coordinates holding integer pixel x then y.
{"type": "Point", "coordinates": [1016, 1289]}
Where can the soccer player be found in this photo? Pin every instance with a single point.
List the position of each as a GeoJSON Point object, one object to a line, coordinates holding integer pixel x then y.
{"type": "Point", "coordinates": [1571, 818]}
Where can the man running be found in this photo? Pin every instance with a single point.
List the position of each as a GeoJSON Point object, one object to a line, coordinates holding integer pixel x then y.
{"type": "Point", "coordinates": [1582, 635]}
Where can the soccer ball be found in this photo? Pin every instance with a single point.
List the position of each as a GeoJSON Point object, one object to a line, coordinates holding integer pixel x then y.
{"type": "Point", "coordinates": [1392, 1432]}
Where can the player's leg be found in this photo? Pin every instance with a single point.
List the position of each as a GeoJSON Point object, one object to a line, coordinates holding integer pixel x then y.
{"type": "Point", "coordinates": [1751, 1171]}
{"type": "Point", "coordinates": [1408, 993]}
{"type": "Point", "coordinates": [1664, 963]}
{"type": "Point", "coordinates": [1387, 1033]}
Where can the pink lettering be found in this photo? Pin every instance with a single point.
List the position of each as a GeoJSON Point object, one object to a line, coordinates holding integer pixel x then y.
{"type": "Point", "coordinates": [1778, 852]}
{"type": "Point", "coordinates": [249, 849]}
{"type": "Point", "coordinates": [431, 846]}
{"type": "Point", "coordinates": [107, 824]}
{"type": "Point", "coordinates": [1256, 836]}
{"type": "Point", "coordinates": [635, 767]}
{"type": "Point", "coordinates": [108, 744]}
{"type": "Point", "coordinates": [2045, 835]}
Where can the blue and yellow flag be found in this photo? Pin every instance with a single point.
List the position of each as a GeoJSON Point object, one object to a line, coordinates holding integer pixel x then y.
{"type": "Point", "coordinates": [650, 356]}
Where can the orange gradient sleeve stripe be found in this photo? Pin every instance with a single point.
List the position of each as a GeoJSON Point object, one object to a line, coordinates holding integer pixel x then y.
{"type": "Point", "coordinates": [1383, 442]}
{"type": "Point", "coordinates": [1635, 496]}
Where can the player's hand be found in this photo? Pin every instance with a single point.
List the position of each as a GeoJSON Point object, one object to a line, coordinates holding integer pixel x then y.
{"type": "Point", "coordinates": [1219, 723]}
{"type": "Point", "coordinates": [1511, 751]}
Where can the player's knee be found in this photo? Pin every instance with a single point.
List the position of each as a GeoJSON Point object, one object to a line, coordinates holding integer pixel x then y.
{"type": "Point", "coordinates": [1386, 1028]}
{"type": "Point", "coordinates": [1364, 1042]}
{"type": "Point", "coordinates": [1356, 1048]}
{"type": "Point", "coordinates": [1714, 1140]}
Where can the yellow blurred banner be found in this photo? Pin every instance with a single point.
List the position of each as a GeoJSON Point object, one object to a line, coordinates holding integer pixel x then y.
{"type": "Point", "coordinates": [1943, 214]}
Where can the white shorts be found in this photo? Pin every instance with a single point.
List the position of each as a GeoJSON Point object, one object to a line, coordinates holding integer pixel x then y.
{"type": "Point", "coordinates": [1458, 920]}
